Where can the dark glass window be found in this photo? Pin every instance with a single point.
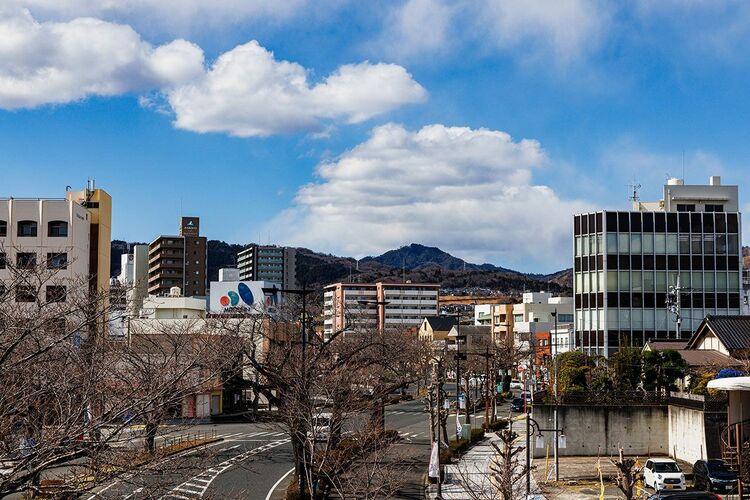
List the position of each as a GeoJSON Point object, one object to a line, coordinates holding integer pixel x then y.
{"type": "Point", "coordinates": [709, 301]}
{"type": "Point", "coordinates": [599, 222]}
{"type": "Point", "coordinates": [637, 300]}
{"type": "Point", "coordinates": [698, 300]}
{"type": "Point", "coordinates": [734, 300]}
{"type": "Point", "coordinates": [685, 207]}
{"type": "Point", "coordinates": [721, 223]}
{"type": "Point", "coordinates": [733, 264]}
{"type": "Point", "coordinates": [732, 223]}
{"type": "Point", "coordinates": [708, 223]}
{"type": "Point", "coordinates": [721, 263]}
{"type": "Point", "coordinates": [661, 299]}
{"type": "Point", "coordinates": [592, 223]}
{"type": "Point", "coordinates": [56, 293]}
{"type": "Point", "coordinates": [584, 224]}
{"type": "Point", "coordinates": [624, 300]}
{"type": "Point", "coordinates": [578, 264]}
{"type": "Point", "coordinates": [648, 262]}
{"type": "Point", "coordinates": [585, 264]}
{"type": "Point", "coordinates": [25, 293]}
{"type": "Point", "coordinates": [613, 299]}
{"type": "Point", "coordinates": [660, 222]}
{"type": "Point", "coordinates": [672, 225]}
{"type": "Point", "coordinates": [577, 225]}
{"type": "Point", "coordinates": [624, 221]}
{"type": "Point", "coordinates": [57, 228]}
{"type": "Point", "coordinates": [635, 222]}
{"type": "Point", "coordinates": [57, 261]}
{"type": "Point", "coordinates": [661, 262]}
{"type": "Point", "coordinates": [612, 262]}
{"type": "Point", "coordinates": [578, 301]}
{"type": "Point", "coordinates": [649, 300]}
{"type": "Point", "coordinates": [624, 262]}
{"type": "Point", "coordinates": [27, 228]}
{"type": "Point", "coordinates": [697, 263]}
{"type": "Point", "coordinates": [714, 208]}
{"type": "Point", "coordinates": [684, 262]}
{"type": "Point", "coordinates": [26, 260]}
{"type": "Point", "coordinates": [722, 301]}
{"type": "Point", "coordinates": [696, 223]}
{"type": "Point", "coordinates": [592, 262]}
{"type": "Point", "coordinates": [611, 222]}
{"type": "Point", "coordinates": [585, 299]}
{"type": "Point", "coordinates": [709, 262]}
{"type": "Point", "coordinates": [636, 262]}
{"type": "Point", "coordinates": [3, 228]}
{"type": "Point", "coordinates": [686, 300]}
{"type": "Point", "coordinates": [600, 261]}
{"type": "Point", "coordinates": [648, 222]}
{"type": "Point", "coordinates": [684, 223]}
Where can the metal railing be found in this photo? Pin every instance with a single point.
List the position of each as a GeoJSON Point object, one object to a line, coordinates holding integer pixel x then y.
{"type": "Point", "coordinates": [189, 438]}
{"type": "Point", "coordinates": [708, 402]}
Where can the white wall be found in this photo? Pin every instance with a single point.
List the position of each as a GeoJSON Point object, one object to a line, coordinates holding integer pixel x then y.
{"type": "Point", "coordinates": [687, 437]}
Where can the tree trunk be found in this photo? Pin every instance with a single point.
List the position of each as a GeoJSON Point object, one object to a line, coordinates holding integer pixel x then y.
{"type": "Point", "coordinates": [151, 428]}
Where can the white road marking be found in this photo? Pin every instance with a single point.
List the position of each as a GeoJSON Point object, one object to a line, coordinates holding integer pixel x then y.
{"type": "Point", "coordinates": [273, 488]}
{"type": "Point", "coordinates": [207, 477]}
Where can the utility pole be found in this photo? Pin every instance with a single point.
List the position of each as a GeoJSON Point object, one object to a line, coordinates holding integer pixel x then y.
{"type": "Point", "coordinates": [674, 305]}
{"type": "Point", "coordinates": [304, 292]}
{"type": "Point", "coordinates": [557, 438]}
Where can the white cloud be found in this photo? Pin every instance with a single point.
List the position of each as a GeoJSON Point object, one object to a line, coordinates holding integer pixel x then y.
{"type": "Point", "coordinates": [533, 29]}
{"type": "Point", "coordinates": [468, 191]}
{"type": "Point", "coordinates": [165, 15]}
{"type": "Point", "coordinates": [60, 62]}
{"type": "Point", "coordinates": [247, 92]}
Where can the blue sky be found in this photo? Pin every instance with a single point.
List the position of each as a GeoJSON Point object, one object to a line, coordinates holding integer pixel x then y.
{"type": "Point", "coordinates": [355, 127]}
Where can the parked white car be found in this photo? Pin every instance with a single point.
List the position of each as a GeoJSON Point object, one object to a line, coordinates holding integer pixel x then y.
{"type": "Point", "coordinates": [663, 474]}
{"type": "Point", "coordinates": [516, 385]}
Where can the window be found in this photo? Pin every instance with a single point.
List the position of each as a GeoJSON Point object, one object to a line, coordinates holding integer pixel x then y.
{"type": "Point", "coordinates": [714, 208]}
{"type": "Point", "coordinates": [685, 207]}
{"type": "Point", "coordinates": [25, 293]}
{"type": "Point", "coordinates": [3, 228]}
{"type": "Point", "coordinates": [57, 229]}
{"type": "Point", "coordinates": [27, 228]}
{"type": "Point", "coordinates": [57, 261]}
{"type": "Point", "coordinates": [26, 260]}
{"type": "Point", "coordinates": [56, 293]}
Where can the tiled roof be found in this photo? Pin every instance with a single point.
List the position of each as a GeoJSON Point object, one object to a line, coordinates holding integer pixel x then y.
{"type": "Point", "coordinates": [475, 330]}
{"type": "Point", "coordinates": [441, 323]}
{"type": "Point", "coordinates": [732, 331]}
{"type": "Point", "coordinates": [664, 344]}
{"type": "Point", "coordinates": [707, 357]}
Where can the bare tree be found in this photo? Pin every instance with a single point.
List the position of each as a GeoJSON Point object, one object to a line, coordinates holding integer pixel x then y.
{"type": "Point", "coordinates": [628, 474]}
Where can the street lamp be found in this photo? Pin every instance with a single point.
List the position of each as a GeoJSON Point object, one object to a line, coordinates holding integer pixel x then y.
{"type": "Point", "coordinates": [381, 330]}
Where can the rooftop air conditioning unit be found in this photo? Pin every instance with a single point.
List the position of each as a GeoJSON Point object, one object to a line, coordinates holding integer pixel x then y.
{"type": "Point", "coordinates": [175, 291]}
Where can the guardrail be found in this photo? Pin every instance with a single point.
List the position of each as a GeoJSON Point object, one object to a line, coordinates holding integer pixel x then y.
{"type": "Point", "coordinates": [191, 437]}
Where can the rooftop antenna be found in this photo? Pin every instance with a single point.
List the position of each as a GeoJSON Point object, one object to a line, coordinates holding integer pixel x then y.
{"type": "Point", "coordinates": [635, 187]}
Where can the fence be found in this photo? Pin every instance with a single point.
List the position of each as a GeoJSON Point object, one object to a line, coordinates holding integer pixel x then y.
{"type": "Point", "coordinates": [706, 402]}
{"type": "Point", "coordinates": [605, 398]}
{"type": "Point", "coordinates": [190, 437]}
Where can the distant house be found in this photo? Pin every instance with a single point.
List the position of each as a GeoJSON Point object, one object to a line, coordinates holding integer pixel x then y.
{"type": "Point", "coordinates": [729, 335]}
{"type": "Point", "coordinates": [478, 337]}
{"type": "Point", "coordinates": [436, 328]}
{"type": "Point", "coordinates": [695, 358]}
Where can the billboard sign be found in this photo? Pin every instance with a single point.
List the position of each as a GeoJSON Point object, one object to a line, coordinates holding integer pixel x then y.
{"type": "Point", "coordinates": [232, 295]}
{"type": "Point", "coordinates": [189, 226]}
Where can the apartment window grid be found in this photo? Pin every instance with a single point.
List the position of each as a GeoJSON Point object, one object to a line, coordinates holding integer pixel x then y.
{"type": "Point", "coordinates": [625, 263]}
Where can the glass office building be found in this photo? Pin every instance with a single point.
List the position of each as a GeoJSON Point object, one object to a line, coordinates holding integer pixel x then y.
{"type": "Point", "coordinates": [626, 262]}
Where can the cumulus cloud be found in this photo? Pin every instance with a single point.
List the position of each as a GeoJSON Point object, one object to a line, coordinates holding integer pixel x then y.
{"type": "Point", "coordinates": [560, 31]}
{"type": "Point", "coordinates": [468, 191]}
{"type": "Point", "coordinates": [60, 62]}
{"type": "Point", "coordinates": [247, 92]}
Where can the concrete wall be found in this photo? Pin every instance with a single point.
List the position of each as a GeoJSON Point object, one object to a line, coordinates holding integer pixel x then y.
{"type": "Point", "coordinates": [599, 430]}
{"type": "Point", "coordinates": [687, 436]}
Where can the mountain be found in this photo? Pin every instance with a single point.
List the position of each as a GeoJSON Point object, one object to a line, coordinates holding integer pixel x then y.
{"type": "Point", "coordinates": [416, 256]}
{"type": "Point", "coordinates": [416, 263]}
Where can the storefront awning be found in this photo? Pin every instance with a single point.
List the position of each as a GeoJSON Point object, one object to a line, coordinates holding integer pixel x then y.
{"type": "Point", "coordinates": [730, 384]}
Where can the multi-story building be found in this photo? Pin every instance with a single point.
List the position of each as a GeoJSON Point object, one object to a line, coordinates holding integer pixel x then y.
{"type": "Point", "coordinates": [535, 313]}
{"type": "Point", "coordinates": [349, 306]}
{"type": "Point", "coordinates": [628, 264]}
{"type": "Point", "coordinates": [70, 237]}
{"type": "Point", "coordinates": [269, 263]}
{"type": "Point", "coordinates": [178, 261]}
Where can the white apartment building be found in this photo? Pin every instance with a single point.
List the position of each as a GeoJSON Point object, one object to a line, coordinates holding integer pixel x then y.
{"type": "Point", "coordinates": [352, 306]}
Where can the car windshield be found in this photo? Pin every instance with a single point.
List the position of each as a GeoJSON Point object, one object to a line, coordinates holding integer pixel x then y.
{"type": "Point", "coordinates": [666, 467]}
{"type": "Point", "coordinates": [518, 401]}
{"type": "Point", "coordinates": [718, 467]}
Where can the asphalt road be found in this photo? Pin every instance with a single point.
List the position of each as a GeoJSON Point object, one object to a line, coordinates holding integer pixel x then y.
{"type": "Point", "coordinates": [252, 458]}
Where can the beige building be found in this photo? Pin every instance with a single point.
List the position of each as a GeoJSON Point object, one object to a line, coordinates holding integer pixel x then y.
{"type": "Point", "coordinates": [348, 306]}
{"type": "Point", "coordinates": [70, 237]}
{"type": "Point", "coordinates": [436, 328]}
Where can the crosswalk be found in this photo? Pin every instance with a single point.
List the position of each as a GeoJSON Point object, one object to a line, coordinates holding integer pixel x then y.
{"type": "Point", "coordinates": [197, 486]}
{"type": "Point", "coordinates": [252, 436]}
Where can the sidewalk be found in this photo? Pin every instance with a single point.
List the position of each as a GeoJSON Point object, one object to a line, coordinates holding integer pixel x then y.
{"type": "Point", "coordinates": [471, 474]}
